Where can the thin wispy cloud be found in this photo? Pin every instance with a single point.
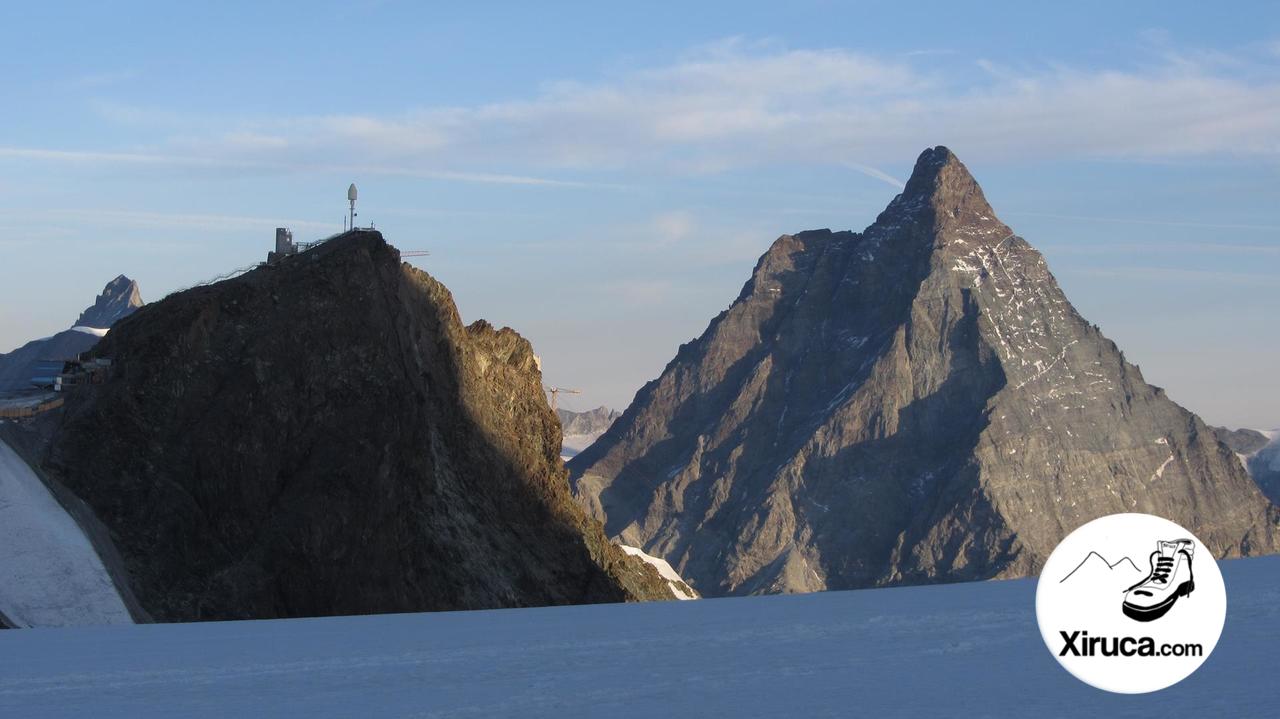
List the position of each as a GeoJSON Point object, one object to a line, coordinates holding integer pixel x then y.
{"type": "Point", "coordinates": [480, 177]}
{"type": "Point", "coordinates": [107, 157]}
{"type": "Point", "coordinates": [196, 162]}
{"type": "Point", "coordinates": [1177, 275]}
{"type": "Point", "coordinates": [870, 171]}
{"type": "Point", "coordinates": [167, 220]}
{"type": "Point", "coordinates": [735, 105]}
{"type": "Point", "coordinates": [101, 79]}
{"type": "Point", "coordinates": [674, 226]}
{"type": "Point", "coordinates": [1141, 221]}
{"type": "Point", "coordinates": [1209, 248]}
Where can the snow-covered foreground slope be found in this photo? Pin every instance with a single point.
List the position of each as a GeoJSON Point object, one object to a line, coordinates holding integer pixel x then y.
{"type": "Point", "coordinates": [958, 650]}
{"type": "Point", "coordinates": [50, 575]}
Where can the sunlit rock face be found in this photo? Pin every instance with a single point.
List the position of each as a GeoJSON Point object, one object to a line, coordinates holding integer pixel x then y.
{"type": "Point", "coordinates": [918, 402]}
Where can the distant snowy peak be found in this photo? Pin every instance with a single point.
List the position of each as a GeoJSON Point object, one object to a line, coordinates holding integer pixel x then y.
{"type": "Point", "coordinates": [593, 421]}
{"type": "Point", "coordinates": [582, 429]}
{"type": "Point", "coordinates": [678, 586]}
{"type": "Point", "coordinates": [118, 300]}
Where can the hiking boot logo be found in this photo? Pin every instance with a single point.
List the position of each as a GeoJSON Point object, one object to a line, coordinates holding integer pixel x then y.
{"type": "Point", "coordinates": [1171, 577]}
{"type": "Point", "coordinates": [1122, 617]}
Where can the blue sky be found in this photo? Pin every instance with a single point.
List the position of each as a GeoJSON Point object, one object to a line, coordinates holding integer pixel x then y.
{"type": "Point", "coordinates": [602, 177]}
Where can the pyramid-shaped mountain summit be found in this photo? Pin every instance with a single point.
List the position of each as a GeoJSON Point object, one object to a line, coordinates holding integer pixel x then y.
{"type": "Point", "coordinates": [918, 402]}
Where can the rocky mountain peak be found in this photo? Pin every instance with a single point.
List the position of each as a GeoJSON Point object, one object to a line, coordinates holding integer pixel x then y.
{"type": "Point", "coordinates": [917, 402]}
{"type": "Point", "coordinates": [941, 186]}
{"type": "Point", "coordinates": [938, 173]}
{"type": "Point", "coordinates": [119, 298]}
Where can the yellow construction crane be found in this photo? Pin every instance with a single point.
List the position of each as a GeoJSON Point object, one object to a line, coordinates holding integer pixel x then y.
{"type": "Point", "coordinates": [555, 394]}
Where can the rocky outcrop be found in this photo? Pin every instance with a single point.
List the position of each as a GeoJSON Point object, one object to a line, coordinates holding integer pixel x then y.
{"type": "Point", "coordinates": [119, 299]}
{"type": "Point", "coordinates": [915, 403]}
{"type": "Point", "coordinates": [323, 435]}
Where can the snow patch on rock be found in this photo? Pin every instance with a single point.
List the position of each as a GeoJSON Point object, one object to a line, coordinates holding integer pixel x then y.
{"type": "Point", "coordinates": [678, 585]}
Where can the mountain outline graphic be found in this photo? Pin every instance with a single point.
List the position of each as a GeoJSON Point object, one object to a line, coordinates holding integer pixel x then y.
{"type": "Point", "coordinates": [1110, 565]}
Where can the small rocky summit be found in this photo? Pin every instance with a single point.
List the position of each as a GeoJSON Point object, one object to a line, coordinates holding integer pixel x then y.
{"type": "Point", "coordinates": [323, 435]}
{"type": "Point", "coordinates": [918, 402]}
{"type": "Point", "coordinates": [119, 299]}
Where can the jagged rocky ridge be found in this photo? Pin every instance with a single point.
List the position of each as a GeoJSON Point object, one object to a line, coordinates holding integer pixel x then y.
{"type": "Point", "coordinates": [1242, 441]}
{"type": "Point", "coordinates": [593, 421]}
{"type": "Point", "coordinates": [119, 299]}
{"type": "Point", "coordinates": [322, 436]}
{"type": "Point", "coordinates": [915, 403]}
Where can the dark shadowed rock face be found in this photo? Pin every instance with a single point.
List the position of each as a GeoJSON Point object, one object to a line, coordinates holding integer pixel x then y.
{"type": "Point", "coordinates": [915, 403]}
{"type": "Point", "coordinates": [119, 299]}
{"type": "Point", "coordinates": [324, 436]}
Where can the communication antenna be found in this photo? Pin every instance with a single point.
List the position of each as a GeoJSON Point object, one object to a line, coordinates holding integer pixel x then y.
{"type": "Point", "coordinates": [351, 197]}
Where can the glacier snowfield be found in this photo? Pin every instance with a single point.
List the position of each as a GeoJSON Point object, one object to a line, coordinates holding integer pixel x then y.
{"type": "Point", "coordinates": [957, 650]}
{"type": "Point", "coordinates": [50, 574]}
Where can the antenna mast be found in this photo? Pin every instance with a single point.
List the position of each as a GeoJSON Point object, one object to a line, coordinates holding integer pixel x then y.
{"type": "Point", "coordinates": [351, 197]}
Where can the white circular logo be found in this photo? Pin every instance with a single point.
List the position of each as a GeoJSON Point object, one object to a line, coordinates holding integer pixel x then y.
{"type": "Point", "coordinates": [1131, 603]}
